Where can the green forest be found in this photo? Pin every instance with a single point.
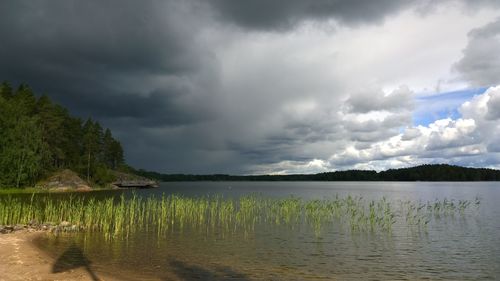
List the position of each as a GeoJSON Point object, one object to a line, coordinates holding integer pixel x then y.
{"type": "Point", "coordinates": [39, 137]}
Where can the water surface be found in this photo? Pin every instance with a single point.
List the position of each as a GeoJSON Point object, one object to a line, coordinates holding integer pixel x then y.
{"type": "Point", "coordinates": [458, 247]}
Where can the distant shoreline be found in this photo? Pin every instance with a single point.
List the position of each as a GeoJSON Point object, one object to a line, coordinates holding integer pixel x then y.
{"type": "Point", "coordinates": [428, 173]}
{"type": "Point", "coordinates": [423, 173]}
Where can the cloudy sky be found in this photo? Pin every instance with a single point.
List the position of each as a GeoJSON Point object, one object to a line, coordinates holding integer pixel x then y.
{"type": "Point", "coordinates": [269, 86]}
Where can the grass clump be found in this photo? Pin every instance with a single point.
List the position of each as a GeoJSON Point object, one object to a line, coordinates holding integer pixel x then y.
{"type": "Point", "coordinates": [216, 214]}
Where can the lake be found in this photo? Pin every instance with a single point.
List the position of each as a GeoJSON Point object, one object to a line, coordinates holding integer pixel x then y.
{"type": "Point", "coordinates": [450, 247]}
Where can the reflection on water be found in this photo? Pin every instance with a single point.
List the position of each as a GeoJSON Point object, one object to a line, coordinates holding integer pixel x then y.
{"type": "Point", "coordinates": [451, 248]}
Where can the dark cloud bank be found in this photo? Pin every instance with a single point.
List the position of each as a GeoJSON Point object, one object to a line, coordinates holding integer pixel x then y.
{"type": "Point", "coordinates": [145, 69]}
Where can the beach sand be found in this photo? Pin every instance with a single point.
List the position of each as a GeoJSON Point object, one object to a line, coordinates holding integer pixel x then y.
{"type": "Point", "coordinates": [20, 259]}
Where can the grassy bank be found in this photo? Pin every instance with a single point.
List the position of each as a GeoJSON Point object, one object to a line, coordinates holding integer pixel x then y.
{"type": "Point", "coordinates": [6, 191]}
{"type": "Point", "coordinates": [37, 190]}
{"type": "Point", "coordinates": [121, 216]}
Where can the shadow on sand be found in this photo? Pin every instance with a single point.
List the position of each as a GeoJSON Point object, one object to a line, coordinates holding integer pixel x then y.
{"type": "Point", "coordinates": [186, 271]}
{"type": "Point", "coordinates": [73, 258]}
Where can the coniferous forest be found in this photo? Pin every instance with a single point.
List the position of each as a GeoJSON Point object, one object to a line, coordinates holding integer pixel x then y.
{"type": "Point", "coordinates": [38, 137]}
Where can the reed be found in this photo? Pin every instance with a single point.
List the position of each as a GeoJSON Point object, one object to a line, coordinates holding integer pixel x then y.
{"type": "Point", "coordinates": [216, 214]}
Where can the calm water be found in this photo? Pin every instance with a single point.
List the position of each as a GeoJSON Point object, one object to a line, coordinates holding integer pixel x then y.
{"type": "Point", "coordinates": [462, 247]}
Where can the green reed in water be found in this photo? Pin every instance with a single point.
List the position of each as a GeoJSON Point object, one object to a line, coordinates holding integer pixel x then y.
{"type": "Point", "coordinates": [216, 214]}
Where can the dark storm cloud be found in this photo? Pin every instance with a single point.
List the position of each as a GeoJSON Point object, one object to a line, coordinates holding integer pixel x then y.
{"type": "Point", "coordinates": [282, 14]}
{"type": "Point", "coordinates": [125, 36]}
{"type": "Point", "coordinates": [97, 57]}
{"type": "Point", "coordinates": [132, 65]}
{"type": "Point", "coordinates": [159, 108]}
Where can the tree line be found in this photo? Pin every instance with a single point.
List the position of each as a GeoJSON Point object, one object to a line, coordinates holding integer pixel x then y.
{"type": "Point", "coordinates": [435, 172]}
{"type": "Point", "coordinates": [38, 137]}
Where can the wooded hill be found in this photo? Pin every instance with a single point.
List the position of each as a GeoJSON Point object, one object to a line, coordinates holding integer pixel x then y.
{"type": "Point", "coordinates": [437, 172]}
{"type": "Point", "coordinates": [38, 137]}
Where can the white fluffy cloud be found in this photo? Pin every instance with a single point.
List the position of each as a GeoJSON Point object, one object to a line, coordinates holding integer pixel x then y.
{"type": "Point", "coordinates": [472, 140]}
{"type": "Point", "coordinates": [468, 140]}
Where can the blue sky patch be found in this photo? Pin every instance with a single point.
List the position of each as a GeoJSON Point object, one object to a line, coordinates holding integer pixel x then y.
{"type": "Point", "coordinates": [440, 106]}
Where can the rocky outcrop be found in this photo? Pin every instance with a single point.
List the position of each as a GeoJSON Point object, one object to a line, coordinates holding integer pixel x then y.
{"type": "Point", "coordinates": [125, 180]}
{"type": "Point", "coordinates": [63, 226]}
{"type": "Point", "coordinates": [65, 180]}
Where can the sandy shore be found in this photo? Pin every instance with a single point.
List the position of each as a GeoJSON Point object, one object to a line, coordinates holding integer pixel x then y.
{"type": "Point", "coordinates": [20, 259]}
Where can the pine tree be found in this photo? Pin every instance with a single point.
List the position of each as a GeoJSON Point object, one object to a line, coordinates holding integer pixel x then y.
{"type": "Point", "coordinates": [24, 101]}
{"type": "Point", "coordinates": [116, 154]}
{"type": "Point", "coordinates": [27, 150]}
{"type": "Point", "coordinates": [73, 143]}
{"type": "Point", "coordinates": [6, 91]}
{"type": "Point", "coordinates": [51, 118]}
{"type": "Point", "coordinates": [92, 143]}
{"type": "Point", "coordinates": [107, 143]}
{"type": "Point", "coordinates": [22, 151]}
{"type": "Point", "coordinates": [38, 137]}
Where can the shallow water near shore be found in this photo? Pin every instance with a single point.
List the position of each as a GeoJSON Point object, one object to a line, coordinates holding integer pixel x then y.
{"type": "Point", "coordinates": [455, 247]}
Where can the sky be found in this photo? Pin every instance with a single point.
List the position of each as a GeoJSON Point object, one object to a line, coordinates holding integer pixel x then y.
{"type": "Point", "coordinates": [269, 86]}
